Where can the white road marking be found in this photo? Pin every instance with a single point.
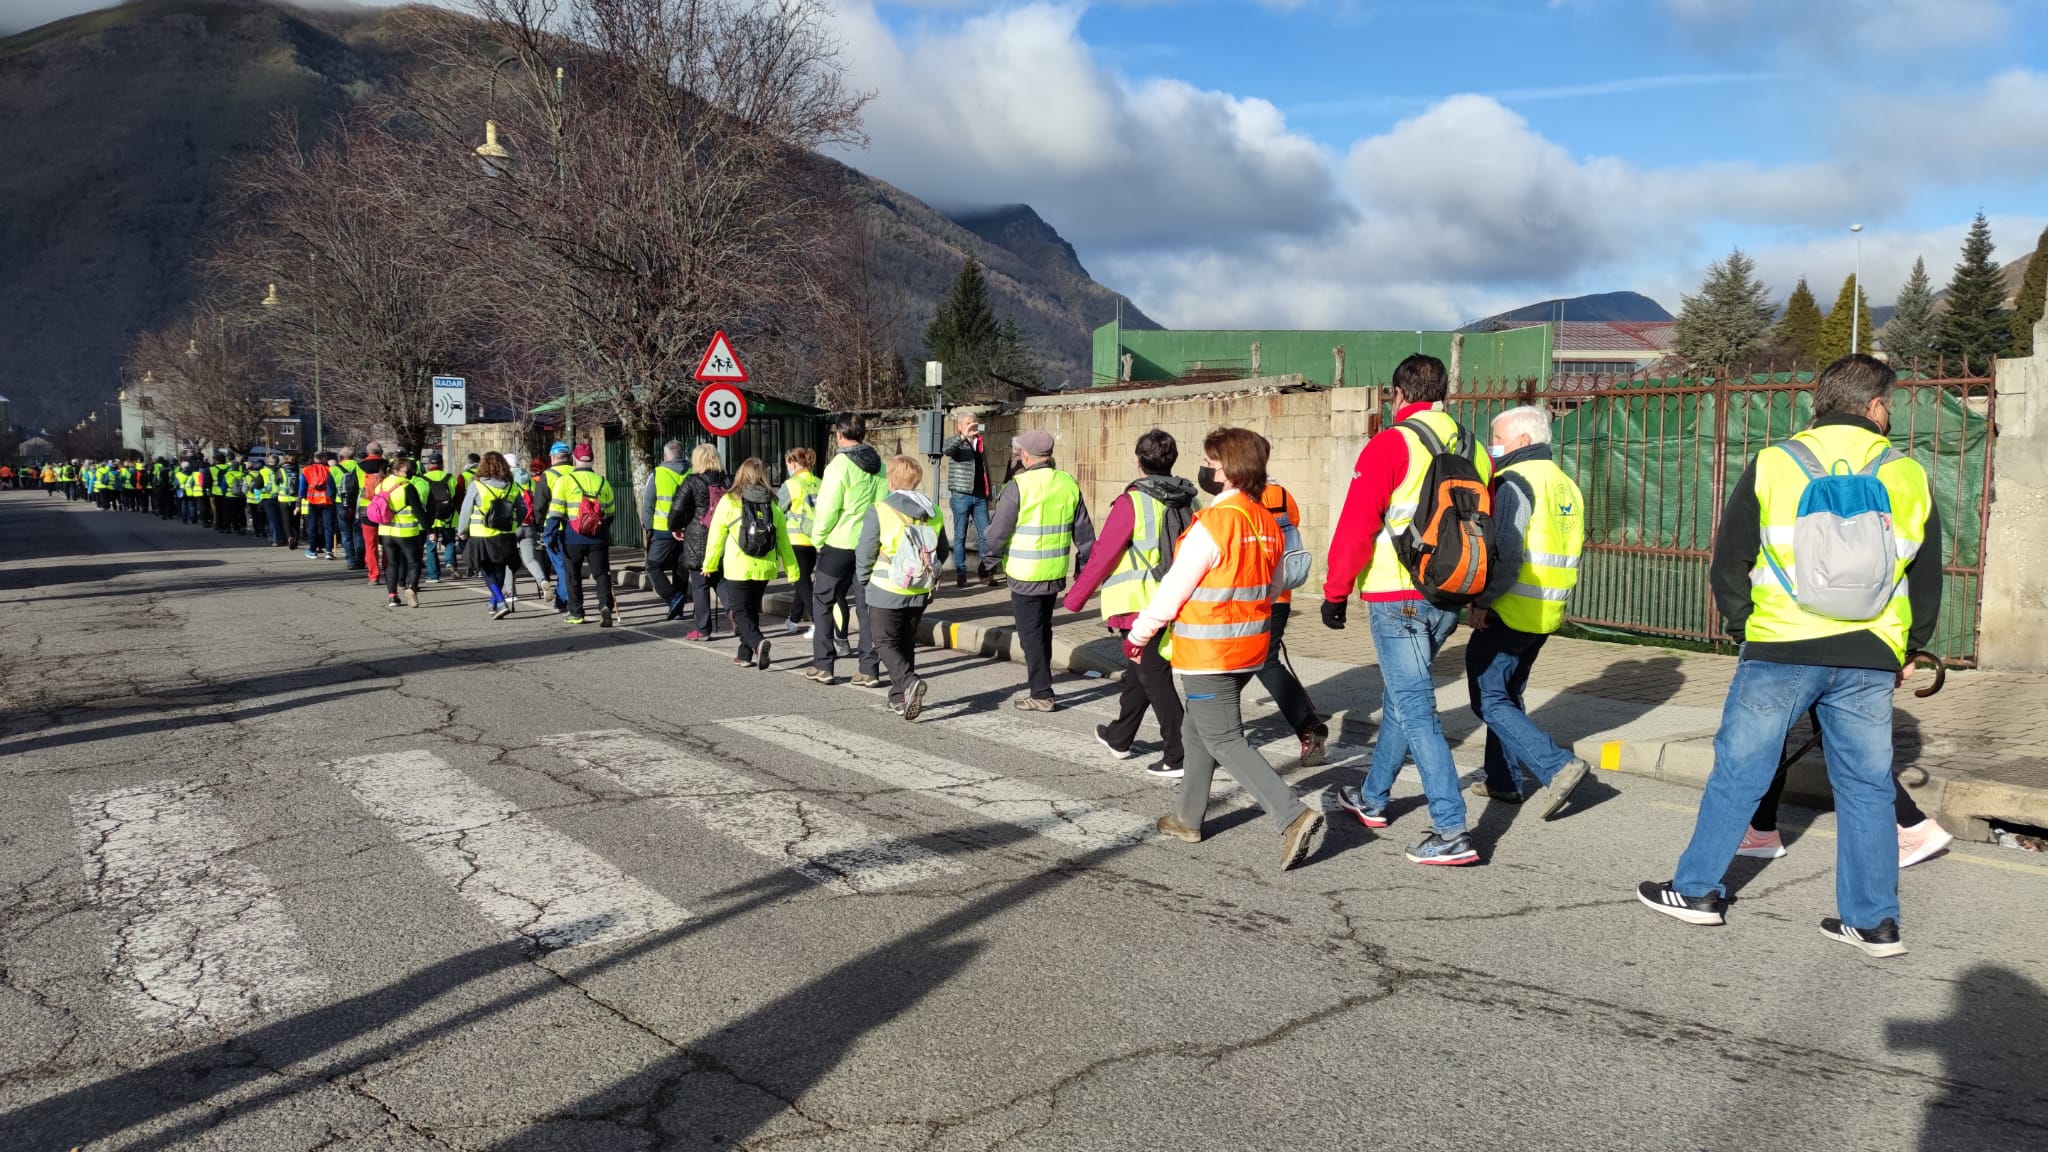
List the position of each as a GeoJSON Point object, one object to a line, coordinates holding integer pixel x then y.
{"type": "Point", "coordinates": [785, 826]}
{"type": "Point", "coordinates": [1047, 739]}
{"type": "Point", "coordinates": [204, 941]}
{"type": "Point", "coordinates": [1032, 807]}
{"type": "Point", "coordinates": [528, 878]}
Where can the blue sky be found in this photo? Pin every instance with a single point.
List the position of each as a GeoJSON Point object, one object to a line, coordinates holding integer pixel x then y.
{"type": "Point", "coordinates": [1420, 163]}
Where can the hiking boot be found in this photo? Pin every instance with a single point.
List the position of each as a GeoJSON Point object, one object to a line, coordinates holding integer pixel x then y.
{"type": "Point", "coordinates": [1034, 704]}
{"type": "Point", "coordinates": [1882, 940]}
{"type": "Point", "coordinates": [866, 680]}
{"type": "Point", "coordinates": [1351, 798]}
{"type": "Point", "coordinates": [960, 579]}
{"type": "Point", "coordinates": [1483, 790]}
{"type": "Point", "coordinates": [1303, 836]}
{"type": "Point", "coordinates": [761, 657]}
{"type": "Point", "coordinates": [913, 700]}
{"type": "Point", "coordinates": [1558, 792]}
{"type": "Point", "coordinates": [1169, 826]}
{"type": "Point", "coordinates": [1438, 851]}
{"type": "Point", "coordinates": [1761, 845]}
{"type": "Point", "coordinates": [1709, 909]}
{"type": "Point", "coordinates": [818, 674]}
{"type": "Point", "coordinates": [1314, 747]}
{"type": "Point", "coordinates": [1922, 841]}
{"type": "Point", "coordinates": [604, 617]}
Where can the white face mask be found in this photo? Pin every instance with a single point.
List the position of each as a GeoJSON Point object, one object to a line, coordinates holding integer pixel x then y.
{"type": "Point", "coordinates": [1496, 451]}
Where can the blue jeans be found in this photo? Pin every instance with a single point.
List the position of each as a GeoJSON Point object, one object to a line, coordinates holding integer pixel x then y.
{"type": "Point", "coordinates": [320, 528]}
{"type": "Point", "coordinates": [1497, 664]}
{"type": "Point", "coordinates": [430, 549]}
{"type": "Point", "coordinates": [273, 516]}
{"type": "Point", "coordinates": [968, 509]}
{"type": "Point", "coordinates": [351, 540]}
{"type": "Point", "coordinates": [1406, 636]}
{"type": "Point", "coordinates": [1855, 709]}
{"type": "Point", "coordinates": [553, 542]}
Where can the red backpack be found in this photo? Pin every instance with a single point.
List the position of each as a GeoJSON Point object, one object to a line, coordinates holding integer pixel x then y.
{"type": "Point", "coordinates": [589, 519]}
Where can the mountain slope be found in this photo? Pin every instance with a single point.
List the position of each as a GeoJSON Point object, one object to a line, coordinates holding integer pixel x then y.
{"type": "Point", "coordinates": [1616, 306]}
{"type": "Point", "coordinates": [122, 123]}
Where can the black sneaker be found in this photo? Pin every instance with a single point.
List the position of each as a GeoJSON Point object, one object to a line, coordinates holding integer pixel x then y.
{"type": "Point", "coordinates": [1882, 940]}
{"type": "Point", "coordinates": [1451, 853]}
{"type": "Point", "coordinates": [1691, 909]}
{"type": "Point", "coordinates": [761, 656]}
{"type": "Point", "coordinates": [1351, 801]}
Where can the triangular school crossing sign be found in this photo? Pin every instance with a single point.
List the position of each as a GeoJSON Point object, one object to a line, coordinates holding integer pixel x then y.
{"type": "Point", "coordinates": [721, 362]}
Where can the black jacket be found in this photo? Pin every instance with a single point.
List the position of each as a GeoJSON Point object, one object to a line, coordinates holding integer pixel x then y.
{"type": "Point", "coordinates": [1735, 554]}
{"type": "Point", "coordinates": [691, 504]}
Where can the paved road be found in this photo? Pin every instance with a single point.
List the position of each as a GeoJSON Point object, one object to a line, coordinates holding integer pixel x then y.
{"type": "Point", "coordinates": [283, 869]}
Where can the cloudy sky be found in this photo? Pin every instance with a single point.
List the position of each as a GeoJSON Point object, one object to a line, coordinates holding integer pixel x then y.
{"type": "Point", "coordinates": [1420, 163]}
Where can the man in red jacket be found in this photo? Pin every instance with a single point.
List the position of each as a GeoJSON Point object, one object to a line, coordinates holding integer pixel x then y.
{"type": "Point", "coordinates": [1407, 630]}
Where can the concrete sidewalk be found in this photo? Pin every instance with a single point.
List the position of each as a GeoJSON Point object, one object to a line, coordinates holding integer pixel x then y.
{"type": "Point", "coordinates": [1978, 752]}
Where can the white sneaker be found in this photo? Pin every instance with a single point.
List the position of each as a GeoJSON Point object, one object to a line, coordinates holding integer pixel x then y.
{"type": "Point", "coordinates": [810, 631]}
{"type": "Point", "coordinates": [1922, 841]}
{"type": "Point", "coordinates": [791, 626]}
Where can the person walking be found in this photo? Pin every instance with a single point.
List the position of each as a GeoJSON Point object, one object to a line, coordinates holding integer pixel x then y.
{"type": "Point", "coordinates": [852, 483]}
{"type": "Point", "coordinates": [968, 484]}
{"type": "Point", "coordinates": [798, 498]}
{"type": "Point", "coordinates": [317, 482]}
{"type": "Point", "coordinates": [490, 515]}
{"type": "Point", "coordinates": [747, 545]}
{"type": "Point", "coordinates": [1921, 837]}
{"type": "Point", "coordinates": [1541, 517]}
{"type": "Point", "coordinates": [403, 535]}
{"type": "Point", "coordinates": [348, 487]}
{"type": "Point", "coordinates": [532, 498]}
{"type": "Point", "coordinates": [370, 473]}
{"type": "Point", "coordinates": [696, 500]}
{"type": "Point", "coordinates": [443, 499]}
{"type": "Point", "coordinates": [192, 484]}
{"type": "Point", "coordinates": [1277, 676]}
{"type": "Point", "coordinates": [664, 551]}
{"type": "Point", "coordinates": [1407, 630]}
{"type": "Point", "coordinates": [581, 548]}
{"type": "Point", "coordinates": [1827, 570]}
{"type": "Point", "coordinates": [897, 561]}
{"type": "Point", "coordinates": [554, 521]}
{"type": "Point", "coordinates": [1039, 530]}
{"type": "Point", "coordinates": [1218, 598]}
{"type": "Point", "coordinates": [1136, 547]}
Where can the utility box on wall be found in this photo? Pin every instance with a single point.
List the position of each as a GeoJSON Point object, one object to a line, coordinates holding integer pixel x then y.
{"type": "Point", "coordinates": [931, 432]}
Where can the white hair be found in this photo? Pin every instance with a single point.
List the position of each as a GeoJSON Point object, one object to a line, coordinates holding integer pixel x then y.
{"type": "Point", "coordinates": [1529, 420]}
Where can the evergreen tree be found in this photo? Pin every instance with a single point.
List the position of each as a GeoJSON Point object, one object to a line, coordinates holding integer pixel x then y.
{"type": "Point", "coordinates": [1976, 325]}
{"type": "Point", "coordinates": [1797, 336]}
{"type": "Point", "coordinates": [963, 334]}
{"type": "Point", "coordinates": [1834, 331]}
{"type": "Point", "coordinates": [1724, 325]}
{"type": "Point", "coordinates": [1915, 330]}
{"type": "Point", "coordinates": [1013, 360]}
{"type": "Point", "coordinates": [2033, 298]}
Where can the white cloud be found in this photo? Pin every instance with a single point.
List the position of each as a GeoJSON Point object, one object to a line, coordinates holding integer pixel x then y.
{"type": "Point", "coordinates": [1998, 132]}
{"type": "Point", "coordinates": [1905, 26]}
{"type": "Point", "coordinates": [1013, 106]}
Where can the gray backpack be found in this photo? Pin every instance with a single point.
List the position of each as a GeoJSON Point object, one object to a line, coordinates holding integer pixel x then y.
{"type": "Point", "coordinates": [1843, 546]}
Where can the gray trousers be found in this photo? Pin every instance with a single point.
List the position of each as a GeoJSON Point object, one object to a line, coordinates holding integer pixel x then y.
{"type": "Point", "coordinates": [531, 562]}
{"type": "Point", "coordinates": [1213, 733]}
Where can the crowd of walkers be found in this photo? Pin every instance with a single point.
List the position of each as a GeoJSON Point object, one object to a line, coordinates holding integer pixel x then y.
{"type": "Point", "coordinates": [1827, 568]}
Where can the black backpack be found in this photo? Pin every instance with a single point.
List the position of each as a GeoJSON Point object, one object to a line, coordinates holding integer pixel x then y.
{"type": "Point", "coordinates": [1173, 524]}
{"type": "Point", "coordinates": [503, 515]}
{"type": "Point", "coordinates": [440, 499]}
{"type": "Point", "coordinates": [757, 528]}
{"type": "Point", "coordinates": [1448, 547]}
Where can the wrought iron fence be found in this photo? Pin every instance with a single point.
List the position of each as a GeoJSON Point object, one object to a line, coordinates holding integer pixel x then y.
{"type": "Point", "coordinates": [1655, 456]}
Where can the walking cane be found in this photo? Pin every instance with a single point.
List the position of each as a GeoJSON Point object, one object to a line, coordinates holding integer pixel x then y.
{"type": "Point", "coordinates": [1928, 659]}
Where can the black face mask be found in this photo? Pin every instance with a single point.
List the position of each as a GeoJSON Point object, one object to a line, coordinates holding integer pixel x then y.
{"type": "Point", "coordinates": [1205, 479]}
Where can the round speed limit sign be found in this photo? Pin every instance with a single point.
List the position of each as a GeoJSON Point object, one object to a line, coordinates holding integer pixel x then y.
{"type": "Point", "coordinates": [721, 409]}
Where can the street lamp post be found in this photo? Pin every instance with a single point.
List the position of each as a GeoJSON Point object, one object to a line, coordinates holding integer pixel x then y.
{"type": "Point", "coordinates": [497, 162]}
{"type": "Point", "coordinates": [271, 300]}
{"type": "Point", "coordinates": [1856, 295]}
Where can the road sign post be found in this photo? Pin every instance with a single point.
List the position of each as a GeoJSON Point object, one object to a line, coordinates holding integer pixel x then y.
{"type": "Point", "coordinates": [721, 406]}
{"type": "Point", "coordinates": [451, 400]}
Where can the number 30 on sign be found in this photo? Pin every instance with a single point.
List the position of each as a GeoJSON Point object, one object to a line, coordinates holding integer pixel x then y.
{"type": "Point", "coordinates": [721, 409]}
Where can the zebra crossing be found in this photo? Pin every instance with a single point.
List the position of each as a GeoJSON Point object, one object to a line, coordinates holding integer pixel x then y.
{"type": "Point", "coordinates": [202, 938]}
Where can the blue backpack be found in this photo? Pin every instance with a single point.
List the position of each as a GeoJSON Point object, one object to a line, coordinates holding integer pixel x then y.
{"type": "Point", "coordinates": [1842, 541]}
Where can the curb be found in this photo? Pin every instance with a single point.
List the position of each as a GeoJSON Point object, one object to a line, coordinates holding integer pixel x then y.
{"type": "Point", "coordinates": [1963, 805]}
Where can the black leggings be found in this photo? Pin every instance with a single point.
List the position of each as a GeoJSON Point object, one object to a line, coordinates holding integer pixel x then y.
{"type": "Point", "coordinates": [404, 557]}
{"type": "Point", "coordinates": [806, 563]}
{"type": "Point", "coordinates": [1905, 813]}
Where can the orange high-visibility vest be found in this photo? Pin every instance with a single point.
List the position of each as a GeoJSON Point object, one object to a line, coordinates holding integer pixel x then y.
{"type": "Point", "coordinates": [1224, 626]}
{"type": "Point", "coordinates": [313, 484]}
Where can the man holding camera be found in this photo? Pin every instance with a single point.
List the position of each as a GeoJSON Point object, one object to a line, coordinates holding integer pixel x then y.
{"type": "Point", "coordinates": [967, 482]}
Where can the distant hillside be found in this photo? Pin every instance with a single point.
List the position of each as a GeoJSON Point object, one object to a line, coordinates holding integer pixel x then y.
{"type": "Point", "coordinates": [121, 125]}
{"type": "Point", "coordinates": [1617, 306]}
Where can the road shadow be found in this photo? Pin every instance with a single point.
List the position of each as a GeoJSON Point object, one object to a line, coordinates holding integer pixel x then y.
{"type": "Point", "coordinates": [51, 575]}
{"type": "Point", "coordinates": [1994, 1088]}
{"type": "Point", "coordinates": [160, 724]}
{"type": "Point", "coordinates": [786, 1046]}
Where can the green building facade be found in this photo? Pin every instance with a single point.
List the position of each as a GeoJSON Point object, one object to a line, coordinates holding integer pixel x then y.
{"type": "Point", "coordinates": [1369, 357]}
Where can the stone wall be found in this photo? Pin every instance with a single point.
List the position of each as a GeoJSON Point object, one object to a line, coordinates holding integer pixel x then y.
{"type": "Point", "coordinates": [1095, 435]}
{"type": "Point", "coordinates": [2012, 627]}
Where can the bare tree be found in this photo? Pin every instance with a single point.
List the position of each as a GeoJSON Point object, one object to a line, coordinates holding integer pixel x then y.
{"type": "Point", "coordinates": [373, 274]}
{"type": "Point", "coordinates": [660, 188]}
{"type": "Point", "coordinates": [866, 324]}
{"type": "Point", "coordinates": [211, 380]}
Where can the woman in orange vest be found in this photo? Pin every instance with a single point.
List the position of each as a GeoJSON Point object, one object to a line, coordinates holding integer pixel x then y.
{"type": "Point", "coordinates": [1218, 599]}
